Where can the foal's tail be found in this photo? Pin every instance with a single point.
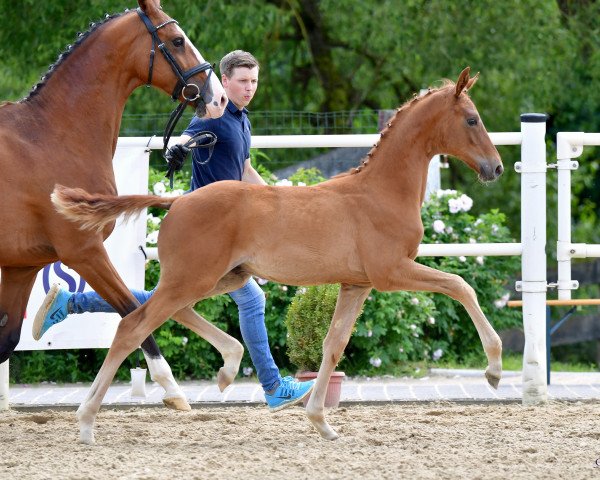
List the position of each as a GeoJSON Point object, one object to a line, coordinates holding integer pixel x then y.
{"type": "Point", "coordinates": [95, 211]}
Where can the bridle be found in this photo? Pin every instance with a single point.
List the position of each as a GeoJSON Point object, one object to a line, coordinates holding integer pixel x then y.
{"type": "Point", "coordinates": [182, 88]}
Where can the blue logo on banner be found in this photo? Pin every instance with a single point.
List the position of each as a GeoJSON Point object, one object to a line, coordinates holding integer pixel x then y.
{"type": "Point", "coordinates": [70, 279]}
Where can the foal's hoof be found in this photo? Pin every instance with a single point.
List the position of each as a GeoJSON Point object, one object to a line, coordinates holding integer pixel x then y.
{"type": "Point", "coordinates": [492, 379]}
{"type": "Point", "coordinates": [225, 378]}
{"type": "Point", "coordinates": [177, 403]}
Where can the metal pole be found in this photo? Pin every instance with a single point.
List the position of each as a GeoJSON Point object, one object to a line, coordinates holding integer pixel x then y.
{"type": "Point", "coordinates": [533, 239]}
{"type": "Point", "coordinates": [4, 386]}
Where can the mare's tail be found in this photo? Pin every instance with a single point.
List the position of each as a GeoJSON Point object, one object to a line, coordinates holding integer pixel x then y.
{"type": "Point", "coordinates": [94, 211]}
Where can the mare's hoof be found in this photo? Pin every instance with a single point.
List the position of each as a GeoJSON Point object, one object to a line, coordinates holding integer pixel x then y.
{"type": "Point", "coordinates": [177, 403]}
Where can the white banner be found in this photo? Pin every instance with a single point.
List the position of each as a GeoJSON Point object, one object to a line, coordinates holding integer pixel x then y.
{"type": "Point", "coordinates": [96, 330]}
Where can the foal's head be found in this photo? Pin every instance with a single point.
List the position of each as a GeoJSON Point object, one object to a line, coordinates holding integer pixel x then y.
{"type": "Point", "coordinates": [207, 99]}
{"type": "Point", "coordinates": [462, 131]}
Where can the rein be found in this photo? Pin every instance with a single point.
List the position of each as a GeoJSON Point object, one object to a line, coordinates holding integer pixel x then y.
{"type": "Point", "coordinates": [180, 89]}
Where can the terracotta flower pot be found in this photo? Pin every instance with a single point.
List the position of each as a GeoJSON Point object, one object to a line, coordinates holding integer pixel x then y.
{"type": "Point", "coordinates": [334, 389]}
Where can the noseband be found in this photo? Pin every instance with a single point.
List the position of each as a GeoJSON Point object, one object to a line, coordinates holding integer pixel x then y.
{"type": "Point", "coordinates": [182, 88]}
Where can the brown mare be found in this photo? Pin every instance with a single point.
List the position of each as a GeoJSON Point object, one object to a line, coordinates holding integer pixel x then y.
{"type": "Point", "coordinates": [360, 229]}
{"type": "Point", "coordinates": [65, 131]}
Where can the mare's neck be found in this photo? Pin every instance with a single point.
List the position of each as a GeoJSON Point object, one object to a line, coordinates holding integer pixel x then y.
{"type": "Point", "coordinates": [85, 97]}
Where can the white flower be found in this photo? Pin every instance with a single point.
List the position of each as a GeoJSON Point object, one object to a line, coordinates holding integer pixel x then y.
{"type": "Point", "coordinates": [477, 222]}
{"type": "Point", "coordinates": [284, 288]}
{"type": "Point", "coordinates": [284, 183]}
{"type": "Point", "coordinates": [152, 238]}
{"type": "Point", "coordinates": [261, 281]}
{"type": "Point", "coordinates": [301, 184]}
{"type": "Point", "coordinates": [472, 240]}
{"type": "Point", "coordinates": [443, 193]}
{"type": "Point", "coordinates": [414, 301]}
{"type": "Point", "coordinates": [370, 333]}
{"type": "Point", "coordinates": [438, 226]}
{"type": "Point", "coordinates": [184, 341]}
{"type": "Point", "coordinates": [454, 205]}
{"type": "Point", "coordinates": [466, 202]}
{"type": "Point", "coordinates": [431, 320]}
{"type": "Point", "coordinates": [248, 371]}
{"type": "Point", "coordinates": [462, 258]}
{"type": "Point", "coordinates": [437, 354]}
{"type": "Point", "coordinates": [178, 192]}
{"type": "Point", "coordinates": [369, 298]}
{"type": "Point", "coordinates": [159, 188]}
{"type": "Point", "coordinates": [467, 229]}
{"type": "Point", "coordinates": [301, 290]}
{"type": "Point", "coordinates": [449, 230]}
{"type": "Point", "coordinates": [479, 260]}
{"type": "Point", "coordinates": [401, 350]}
{"type": "Point", "coordinates": [376, 362]}
{"type": "Point", "coordinates": [494, 228]}
{"type": "Point", "coordinates": [501, 302]}
{"type": "Point", "coordinates": [413, 326]}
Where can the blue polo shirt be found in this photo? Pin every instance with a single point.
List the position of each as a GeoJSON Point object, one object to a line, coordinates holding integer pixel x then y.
{"type": "Point", "coordinates": [230, 152]}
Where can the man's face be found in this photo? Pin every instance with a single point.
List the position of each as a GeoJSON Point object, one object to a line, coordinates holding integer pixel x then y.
{"type": "Point", "coordinates": [241, 86]}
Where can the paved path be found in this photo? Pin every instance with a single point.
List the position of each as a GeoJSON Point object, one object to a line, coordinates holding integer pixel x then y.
{"type": "Point", "coordinates": [449, 385]}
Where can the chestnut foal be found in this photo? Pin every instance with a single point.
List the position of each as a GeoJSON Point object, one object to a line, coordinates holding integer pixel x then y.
{"type": "Point", "coordinates": [361, 229]}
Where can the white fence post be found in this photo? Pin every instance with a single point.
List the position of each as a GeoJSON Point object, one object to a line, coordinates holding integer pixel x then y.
{"type": "Point", "coordinates": [533, 238]}
{"type": "Point", "coordinates": [4, 386]}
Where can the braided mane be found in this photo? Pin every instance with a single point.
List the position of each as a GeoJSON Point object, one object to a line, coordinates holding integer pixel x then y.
{"type": "Point", "coordinates": [81, 37]}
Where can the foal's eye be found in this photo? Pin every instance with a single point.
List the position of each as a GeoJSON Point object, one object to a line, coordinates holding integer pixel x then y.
{"type": "Point", "coordinates": [178, 42]}
{"type": "Point", "coordinates": [472, 121]}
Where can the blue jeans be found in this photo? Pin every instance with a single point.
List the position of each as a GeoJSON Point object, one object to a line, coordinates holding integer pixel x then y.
{"type": "Point", "coordinates": [250, 300]}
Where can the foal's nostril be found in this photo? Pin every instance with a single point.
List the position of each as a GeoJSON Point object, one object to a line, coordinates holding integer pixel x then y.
{"type": "Point", "coordinates": [499, 170]}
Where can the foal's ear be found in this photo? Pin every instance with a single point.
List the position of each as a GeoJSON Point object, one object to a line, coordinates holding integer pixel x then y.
{"type": "Point", "coordinates": [463, 80]}
{"type": "Point", "coordinates": [472, 82]}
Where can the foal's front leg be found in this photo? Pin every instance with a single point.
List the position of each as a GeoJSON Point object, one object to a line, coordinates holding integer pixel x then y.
{"type": "Point", "coordinates": [131, 331]}
{"type": "Point", "coordinates": [349, 303]}
{"type": "Point", "coordinates": [413, 276]}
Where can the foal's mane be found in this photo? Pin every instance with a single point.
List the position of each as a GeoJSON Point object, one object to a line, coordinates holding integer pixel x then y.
{"type": "Point", "coordinates": [399, 111]}
{"type": "Point", "coordinates": [81, 37]}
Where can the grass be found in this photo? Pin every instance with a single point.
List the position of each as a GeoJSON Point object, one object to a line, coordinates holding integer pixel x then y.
{"type": "Point", "coordinates": [514, 361]}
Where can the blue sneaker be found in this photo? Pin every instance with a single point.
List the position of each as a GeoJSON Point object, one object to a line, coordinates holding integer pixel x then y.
{"type": "Point", "coordinates": [53, 310]}
{"type": "Point", "coordinates": [289, 392]}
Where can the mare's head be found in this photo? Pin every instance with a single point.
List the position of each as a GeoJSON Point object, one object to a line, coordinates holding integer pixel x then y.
{"type": "Point", "coordinates": [462, 132]}
{"type": "Point", "coordinates": [177, 66]}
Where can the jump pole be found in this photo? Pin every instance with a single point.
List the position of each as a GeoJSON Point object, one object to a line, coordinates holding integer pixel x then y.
{"type": "Point", "coordinates": [533, 239]}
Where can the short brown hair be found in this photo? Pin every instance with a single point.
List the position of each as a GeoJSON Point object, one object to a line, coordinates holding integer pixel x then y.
{"type": "Point", "coordinates": [235, 59]}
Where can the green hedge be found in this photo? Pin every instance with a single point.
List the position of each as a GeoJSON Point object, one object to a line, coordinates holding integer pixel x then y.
{"type": "Point", "coordinates": [394, 327]}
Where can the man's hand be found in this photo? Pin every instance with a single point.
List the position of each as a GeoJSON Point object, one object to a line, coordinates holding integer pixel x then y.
{"type": "Point", "coordinates": [175, 156]}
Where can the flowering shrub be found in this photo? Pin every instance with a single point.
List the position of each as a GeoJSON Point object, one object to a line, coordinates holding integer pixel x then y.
{"type": "Point", "coordinates": [446, 219]}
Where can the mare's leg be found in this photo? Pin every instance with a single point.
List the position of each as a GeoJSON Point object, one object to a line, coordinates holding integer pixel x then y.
{"type": "Point", "coordinates": [105, 280]}
{"type": "Point", "coordinates": [132, 330]}
{"type": "Point", "coordinates": [15, 288]}
{"type": "Point", "coordinates": [230, 349]}
{"type": "Point", "coordinates": [413, 276]}
{"type": "Point", "coordinates": [349, 303]}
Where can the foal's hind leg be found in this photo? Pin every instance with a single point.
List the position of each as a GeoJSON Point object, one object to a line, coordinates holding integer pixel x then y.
{"type": "Point", "coordinates": [348, 307]}
{"type": "Point", "coordinates": [230, 349]}
{"type": "Point", "coordinates": [414, 276]}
